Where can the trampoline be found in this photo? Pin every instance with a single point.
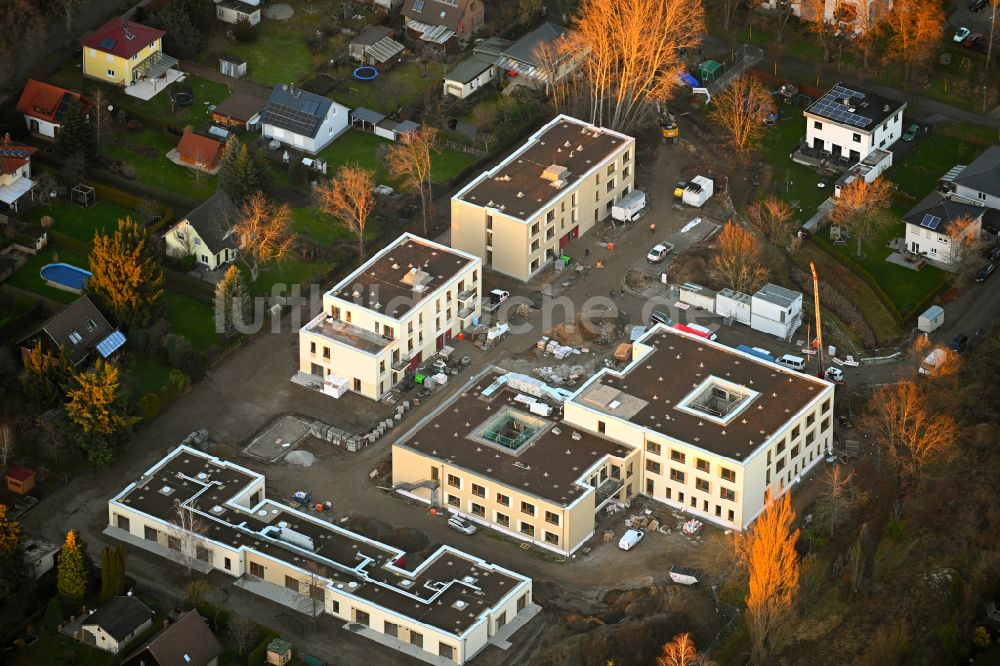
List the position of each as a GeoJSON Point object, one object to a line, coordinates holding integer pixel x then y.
{"type": "Point", "coordinates": [365, 73]}
{"type": "Point", "coordinates": [183, 98]}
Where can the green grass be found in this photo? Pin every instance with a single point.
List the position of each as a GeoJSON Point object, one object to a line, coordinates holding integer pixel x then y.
{"type": "Point", "coordinates": [447, 164]}
{"type": "Point", "coordinates": [310, 223]}
{"type": "Point", "coordinates": [905, 287]}
{"type": "Point", "coordinates": [147, 374]}
{"type": "Point", "coordinates": [204, 91]}
{"type": "Point", "coordinates": [191, 318]}
{"type": "Point", "coordinates": [793, 182]}
{"type": "Point", "coordinates": [57, 650]}
{"type": "Point", "coordinates": [81, 223]}
{"type": "Point", "coordinates": [280, 54]}
{"type": "Point", "coordinates": [919, 171]}
{"type": "Point", "coordinates": [159, 172]}
{"type": "Point", "coordinates": [288, 271]}
{"type": "Point", "coordinates": [403, 85]}
{"type": "Point", "coordinates": [27, 277]}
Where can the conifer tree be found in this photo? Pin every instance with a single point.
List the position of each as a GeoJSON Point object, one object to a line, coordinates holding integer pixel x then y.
{"type": "Point", "coordinates": [44, 375]}
{"type": "Point", "coordinates": [231, 302]}
{"type": "Point", "coordinates": [127, 276]}
{"type": "Point", "coordinates": [71, 580]}
{"type": "Point", "coordinates": [76, 136]}
{"type": "Point", "coordinates": [242, 171]}
{"type": "Point", "coordinates": [97, 410]}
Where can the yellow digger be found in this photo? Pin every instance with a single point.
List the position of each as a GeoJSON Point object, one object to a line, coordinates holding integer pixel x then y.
{"type": "Point", "coordinates": [669, 129]}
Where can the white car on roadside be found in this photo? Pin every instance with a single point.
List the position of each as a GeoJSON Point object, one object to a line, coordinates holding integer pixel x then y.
{"type": "Point", "coordinates": [659, 252]}
{"type": "Point", "coordinates": [462, 525]}
{"type": "Point", "coordinates": [630, 539]}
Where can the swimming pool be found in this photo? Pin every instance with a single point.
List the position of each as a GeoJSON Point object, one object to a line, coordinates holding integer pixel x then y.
{"type": "Point", "coordinates": [64, 276]}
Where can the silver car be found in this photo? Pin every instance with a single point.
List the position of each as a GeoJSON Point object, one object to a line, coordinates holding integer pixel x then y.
{"type": "Point", "coordinates": [462, 525]}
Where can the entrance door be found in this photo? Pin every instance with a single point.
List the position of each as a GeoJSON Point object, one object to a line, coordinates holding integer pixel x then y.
{"type": "Point", "coordinates": [855, 157]}
{"type": "Point", "coordinates": [914, 247]}
{"type": "Point", "coordinates": [837, 150]}
{"type": "Point", "coordinates": [818, 144]}
{"type": "Point", "coordinates": [564, 241]}
{"type": "Point", "coordinates": [574, 233]}
{"type": "Point", "coordinates": [440, 341]}
{"type": "Point", "coordinates": [447, 337]}
{"type": "Point", "coordinates": [317, 369]}
{"type": "Point", "coordinates": [414, 362]}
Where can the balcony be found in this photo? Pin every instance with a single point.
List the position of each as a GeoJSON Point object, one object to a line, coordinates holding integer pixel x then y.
{"type": "Point", "coordinates": [401, 363]}
{"type": "Point", "coordinates": [348, 334]}
{"type": "Point", "coordinates": [467, 312]}
{"type": "Point", "coordinates": [608, 489]}
{"type": "Point", "coordinates": [466, 295]}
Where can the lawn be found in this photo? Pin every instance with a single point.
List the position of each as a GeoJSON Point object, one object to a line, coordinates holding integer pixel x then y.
{"type": "Point", "coordinates": [190, 318]}
{"type": "Point", "coordinates": [933, 154]}
{"type": "Point", "coordinates": [57, 650]}
{"type": "Point", "coordinates": [367, 150]}
{"type": "Point", "coordinates": [28, 278]}
{"type": "Point", "coordinates": [286, 272]}
{"type": "Point", "coordinates": [906, 288]}
{"type": "Point", "coordinates": [403, 85]}
{"type": "Point", "coordinates": [447, 164]}
{"type": "Point", "coordinates": [81, 223]}
{"type": "Point", "coordinates": [793, 182]}
{"type": "Point", "coordinates": [147, 374]}
{"type": "Point", "coordinates": [311, 224]}
{"type": "Point", "coordinates": [205, 93]}
{"type": "Point", "coordinates": [159, 172]}
{"type": "Point", "coordinates": [280, 54]}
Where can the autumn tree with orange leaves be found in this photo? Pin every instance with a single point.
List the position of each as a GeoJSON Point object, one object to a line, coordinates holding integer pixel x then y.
{"type": "Point", "coordinates": [262, 232]}
{"type": "Point", "coordinates": [680, 651]}
{"type": "Point", "coordinates": [772, 217]}
{"type": "Point", "coordinates": [916, 26]}
{"type": "Point", "coordinates": [904, 423]}
{"type": "Point", "coordinates": [814, 11]}
{"type": "Point", "coordinates": [349, 197]}
{"type": "Point", "coordinates": [738, 265]}
{"type": "Point", "coordinates": [630, 55]}
{"type": "Point", "coordinates": [862, 208]}
{"type": "Point", "coordinates": [966, 245]}
{"type": "Point", "coordinates": [741, 108]}
{"type": "Point", "coordinates": [409, 162]}
{"type": "Point", "coordinates": [768, 549]}
{"type": "Point", "coordinates": [126, 275]}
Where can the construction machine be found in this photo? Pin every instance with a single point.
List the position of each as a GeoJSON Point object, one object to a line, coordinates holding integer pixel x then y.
{"type": "Point", "coordinates": [669, 129]}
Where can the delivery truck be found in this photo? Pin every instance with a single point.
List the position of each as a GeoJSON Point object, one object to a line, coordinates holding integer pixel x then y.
{"type": "Point", "coordinates": [630, 208]}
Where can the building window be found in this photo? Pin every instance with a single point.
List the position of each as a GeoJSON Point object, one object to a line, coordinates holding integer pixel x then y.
{"type": "Point", "coordinates": [795, 434]}
{"type": "Point", "coordinates": [257, 569]}
{"type": "Point", "coordinates": [391, 629]}
{"type": "Point", "coordinates": [783, 443]}
{"type": "Point", "coordinates": [649, 486]}
{"type": "Point", "coordinates": [652, 466]}
{"type": "Point", "coordinates": [826, 424]}
{"type": "Point", "coordinates": [527, 509]}
{"type": "Point", "coordinates": [552, 538]}
{"type": "Point", "coordinates": [454, 501]}
{"type": "Point", "coordinates": [732, 515]}
{"type": "Point", "coordinates": [676, 456]}
{"type": "Point", "coordinates": [227, 564]}
{"type": "Point", "coordinates": [718, 511]}
{"type": "Point", "coordinates": [676, 475]}
{"type": "Point", "coordinates": [626, 156]}
{"type": "Point", "coordinates": [361, 617]}
{"type": "Point", "coordinates": [694, 501]}
{"type": "Point", "coordinates": [601, 427]}
{"type": "Point", "coordinates": [150, 533]}
{"type": "Point", "coordinates": [503, 500]}
{"type": "Point", "coordinates": [111, 73]}
{"type": "Point", "coordinates": [326, 353]}
{"type": "Point", "coordinates": [653, 448]}
{"type": "Point", "coordinates": [416, 639]}
{"type": "Point", "coordinates": [810, 437]}
{"type": "Point", "coordinates": [810, 420]}
{"type": "Point", "coordinates": [454, 481]}
{"type": "Point", "coordinates": [727, 494]}
{"type": "Point", "coordinates": [292, 583]}
{"type": "Point", "coordinates": [817, 125]}
{"type": "Point", "coordinates": [478, 490]}
{"type": "Point", "coordinates": [446, 651]}
{"type": "Point", "coordinates": [702, 465]}
{"type": "Point", "coordinates": [527, 529]}
{"type": "Point", "coordinates": [478, 510]}
{"type": "Point", "coordinates": [552, 518]}
{"type": "Point", "coordinates": [856, 137]}
{"type": "Point", "coordinates": [357, 385]}
{"type": "Point", "coordinates": [728, 474]}
{"type": "Point", "coordinates": [667, 492]}
{"type": "Point", "coordinates": [503, 519]}
{"type": "Point", "coordinates": [534, 229]}
{"type": "Point", "coordinates": [701, 484]}
{"type": "Point", "coordinates": [780, 465]}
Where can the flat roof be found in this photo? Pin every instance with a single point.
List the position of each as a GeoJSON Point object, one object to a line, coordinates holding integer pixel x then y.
{"type": "Point", "coordinates": [400, 277]}
{"type": "Point", "coordinates": [648, 392]}
{"type": "Point", "coordinates": [855, 107]}
{"type": "Point", "coordinates": [350, 563]}
{"type": "Point", "coordinates": [517, 186]}
{"type": "Point", "coordinates": [547, 467]}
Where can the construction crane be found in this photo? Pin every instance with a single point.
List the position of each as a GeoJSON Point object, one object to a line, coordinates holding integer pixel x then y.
{"type": "Point", "coordinates": [819, 321]}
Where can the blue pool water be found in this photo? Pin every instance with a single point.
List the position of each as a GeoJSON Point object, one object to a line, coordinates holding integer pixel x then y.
{"type": "Point", "coordinates": [65, 276]}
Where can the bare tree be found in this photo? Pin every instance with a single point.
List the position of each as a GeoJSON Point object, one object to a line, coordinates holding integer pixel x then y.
{"type": "Point", "coordinates": [186, 531]}
{"type": "Point", "coordinates": [773, 566]}
{"type": "Point", "coordinates": [53, 437]}
{"type": "Point", "coordinates": [784, 10]}
{"type": "Point", "coordinates": [409, 161]}
{"type": "Point", "coordinates": [262, 232]}
{"type": "Point", "coordinates": [861, 560]}
{"type": "Point", "coordinates": [814, 11]}
{"type": "Point", "coordinates": [680, 651]}
{"type": "Point", "coordinates": [738, 265]}
{"type": "Point", "coordinates": [869, 24]}
{"type": "Point", "coordinates": [244, 632]}
{"type": "Point", "coordinates": [349, 197]}
{"type": "Point", "coordinates": [772, 217]}
{"type": "Point", "coordinates": [837, 496]}
{"type": "Point", "coordinates": [6, 442]}
{"type": "Point", "coordinates": [99, 100]}
{"type": "Point", "coordinates": [913, 436]}
{"type": "Point", "coordinates": [966, 246]}
{"type": "Point", "coordinates": [863, 208]}
{"type": "Point", "coordinates": [917, 26]}
{"type": "Point", "coordinates": [741, 109]}
{"type": "Point", "coordinates": [68, 7]}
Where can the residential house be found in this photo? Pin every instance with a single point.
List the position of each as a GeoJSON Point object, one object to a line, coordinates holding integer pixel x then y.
{"type": "Point", "coordinates": [125, 52]}
{"type": "Point", "coordinates": [538, 58]}
{"type": "Point", "coordinates": [40, 556]}
{"type": "Point", "coordinates": [231, 11]}
{"type": "Point", "coordinates": [847, 15]}
{"type": "Point", "coordinates": [443, 24]}
{"type": "Point", "coordinates": [849, 123]}
{"type": "Point", "coordinates": [186, 642]}
{"type": "Point", "coordinates": [116, 623]}
{"type": "Point", "coordinates": [238, 110]}
{"type": "Point", "coordinates": [941, 224]}
{"type": "Point", "coordinates": [79, 330]}
{"type": "Point", "coordinates": [199, 152]}
{"type": "Point", "coordinates": [44, 106]}
{"type": "Point", "coordinates": [374, 46]}
{"type": "Point", "coordinates": [449, 606]}
{"type": "Point", "coordinates": [477, 70]}
{"type": "Point", "coordinates": [205, 233]}
{"type": "Point", "coordinates": [518, 216]}
{"type": "Point", "coordinates": [398, 309]}
{"type": "Point", "coordinates": [15, 174]}
{"type": "Point", "coordinates": [690, 423]}
{"type": "Point", "coordinates": [980, 180]}
{"type": "Point", "coordinates": [301, 119]}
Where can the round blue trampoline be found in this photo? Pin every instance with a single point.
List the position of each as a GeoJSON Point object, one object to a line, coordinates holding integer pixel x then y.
{"type": "Point", "coordinates": [365, 73]}
{"type": "Point", "coordinates": [64, 276]}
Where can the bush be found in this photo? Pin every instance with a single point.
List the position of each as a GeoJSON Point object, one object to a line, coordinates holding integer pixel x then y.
{"type": "Point", "coordinates": [151, 405]}
{"type": "Point", "coordinates": [184, 357]}
{"type": "Point", "coordinates": [244, 31]}
{"type": "Point", "coordinates": [53, 614]}
{"type": "Point", "coordinates": [188, 262]}
{"type": "Point", "coordinates": [895, 529]}
{"type": "Point", "coordinates": [177, 381]}
{"type": "Point", "coordinates": [259, 653]}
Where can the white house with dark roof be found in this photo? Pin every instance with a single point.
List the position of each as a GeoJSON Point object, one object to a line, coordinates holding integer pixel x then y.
{"type": "Point", "coordinates": [980, 181]}
{"type": "Point", "coordinates": [849, 123]}
{"type": "Point", "coordinates": [119, 621]}
{"type": "Point", "coordinates": [941, 224]}
{"type": "Point", "coordinates": [302, 120]}
{"type": "Point", "coordinates": [205, 233]}
{"type": "Point", "coordinates": [524, 60]}
{"type": "Point", "coordinates": [231, 11]}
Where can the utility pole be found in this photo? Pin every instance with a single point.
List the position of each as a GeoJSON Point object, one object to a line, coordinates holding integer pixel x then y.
{"type": "Point", "coordinates": [819, 322]}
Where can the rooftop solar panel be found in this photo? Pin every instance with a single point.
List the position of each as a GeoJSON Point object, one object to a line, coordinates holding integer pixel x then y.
{"type": "Point", "coordinates": [930, 221]}
{"type": "Point", "coordinates": [290, 119]}
{"type": "Point", "coordinates": [831, 105]}
{"type": "Point", "coordinates": [108, 43]}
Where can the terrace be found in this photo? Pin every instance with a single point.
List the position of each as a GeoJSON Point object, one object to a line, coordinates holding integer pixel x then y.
{"type": "Point", "coordinates": [348, 335]}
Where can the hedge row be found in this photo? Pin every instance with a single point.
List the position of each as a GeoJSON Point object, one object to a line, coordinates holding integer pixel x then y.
{"type": "Point", "coordinates": [130, 201]}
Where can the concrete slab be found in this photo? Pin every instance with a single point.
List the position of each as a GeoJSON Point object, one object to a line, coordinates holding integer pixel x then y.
{"type": "Point", "coordinates": [278, 438]}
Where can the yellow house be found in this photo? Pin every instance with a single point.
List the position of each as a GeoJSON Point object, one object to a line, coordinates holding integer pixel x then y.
{"type": "Point", "coordinates": [124, 52]}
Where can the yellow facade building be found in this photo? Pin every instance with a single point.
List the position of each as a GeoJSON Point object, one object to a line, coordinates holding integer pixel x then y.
{"type": "Point", "coordinates": [123, 52]}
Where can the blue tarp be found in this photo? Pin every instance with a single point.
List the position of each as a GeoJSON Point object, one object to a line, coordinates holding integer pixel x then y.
{"type": "Point", "coordinates": [690, 80]}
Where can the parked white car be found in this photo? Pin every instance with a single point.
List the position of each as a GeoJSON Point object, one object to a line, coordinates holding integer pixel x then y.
{"type": "Point", "coordinates": [462, 525]}
{"type": "Point", "coordinates": [659, 252]}
{"type": "Point", "coordinates": [630, 539]}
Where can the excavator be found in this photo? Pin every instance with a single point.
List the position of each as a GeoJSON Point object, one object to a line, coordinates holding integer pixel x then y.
{"type": "Point", "coordinates": [669, 129]}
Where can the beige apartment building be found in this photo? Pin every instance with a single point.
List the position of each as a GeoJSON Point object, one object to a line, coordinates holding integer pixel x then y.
{"type": "Point", "coordinates": [519, 216]}
{"type": "Point", "coordinates": [690, 423]}
{"type": "Point", "coordinates": [213, 515]}
{"type": "Point", "coordinates": [398, 309]}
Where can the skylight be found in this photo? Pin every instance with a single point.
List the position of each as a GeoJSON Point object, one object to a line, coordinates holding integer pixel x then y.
{"type": "Point", "coordinates": [717, 400]}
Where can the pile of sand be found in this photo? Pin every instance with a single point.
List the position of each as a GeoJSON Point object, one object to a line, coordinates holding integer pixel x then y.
{"type": "Point", "coordinates": [300, 458]}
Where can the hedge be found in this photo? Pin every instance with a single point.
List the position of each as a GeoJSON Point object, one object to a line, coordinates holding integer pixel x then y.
{"type": "Point", "coordinates": [259, 653]}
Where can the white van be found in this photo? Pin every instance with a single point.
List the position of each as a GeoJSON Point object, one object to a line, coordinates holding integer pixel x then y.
{"type": "Point", "coordinates": [630, 539]}
{"type": "Point", "coordinates": [793, 362]}
{"type": "Point", "coordinates": [707, 332]}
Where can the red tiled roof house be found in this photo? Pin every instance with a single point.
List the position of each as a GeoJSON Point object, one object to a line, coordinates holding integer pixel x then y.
{"type": "Point", "coordinates": [44, 106]}
{"type": "Point", "coordinates": [15, 173]}
{"type": "Point", "coordinates": [199, 152]}
{"type": "Point", "coordinates": [123, 52]}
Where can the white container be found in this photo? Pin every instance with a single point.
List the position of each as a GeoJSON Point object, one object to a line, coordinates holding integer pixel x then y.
{"type": "Point", "coordinates": [931, 319]}
{"type": "Point", "coordinates": [630, 207]}
{"type": "Point", "coordinates": [698, 191]}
